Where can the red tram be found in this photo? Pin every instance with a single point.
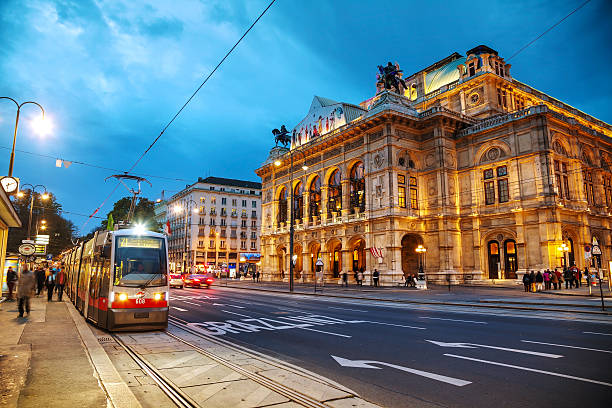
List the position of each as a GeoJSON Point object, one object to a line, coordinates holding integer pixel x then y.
{"type": "Point", "coordinates": [118, 280]}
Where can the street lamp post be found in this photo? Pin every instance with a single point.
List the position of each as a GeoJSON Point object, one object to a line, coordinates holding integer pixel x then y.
{"type": "Point", "coordinates": [177, 209]}
{"type": "Point", "coordinates": [19, 105]}
{"type": "Point", "coordinates": [44, 196]}
{"type": "Point", "coordinates": [564, 249]}
{"type": "Point", "coordinates": [421, 251]}
{"type": "Point", "coordinates": [291, 216]}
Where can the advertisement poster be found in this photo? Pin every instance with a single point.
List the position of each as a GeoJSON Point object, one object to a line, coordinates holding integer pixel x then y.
{"type": "Point", "coordinates": [324, 116]}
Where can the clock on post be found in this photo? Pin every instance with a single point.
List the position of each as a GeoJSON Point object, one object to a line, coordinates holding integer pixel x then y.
{"type": "Point", "coordinates": [9, 184]}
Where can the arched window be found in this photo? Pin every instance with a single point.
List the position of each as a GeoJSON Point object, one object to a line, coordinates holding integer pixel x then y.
{"type": "Point", "coordinates": [298, 201]}
{"type": "Point", "coordinates": [334, 193]}
{"type": "Point", "coordinates": [315, 197]}
{"type": "Point", "coordinates": [357, 181]}
{"type": "Point", "coordinates": [281, 216]}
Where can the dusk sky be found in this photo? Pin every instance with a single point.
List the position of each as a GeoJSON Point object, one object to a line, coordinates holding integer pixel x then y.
{"type": "Point", "coordinates": [111, 74]}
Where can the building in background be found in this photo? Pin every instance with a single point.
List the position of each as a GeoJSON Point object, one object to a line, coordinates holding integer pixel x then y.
{"type": "Point", "coordinates": [215, 222]}
{"type": "Point", "coordinates": [486, 176]}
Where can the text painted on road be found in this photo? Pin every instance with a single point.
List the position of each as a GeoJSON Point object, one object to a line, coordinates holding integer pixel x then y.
{"type": "Point", "coordinates": [253, 325]}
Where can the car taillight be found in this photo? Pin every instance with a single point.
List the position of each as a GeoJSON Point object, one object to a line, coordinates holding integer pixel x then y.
{"type": "Point", "coordinates": [209, 280]}
{"type": "Point", "coordinates": [196, 280]}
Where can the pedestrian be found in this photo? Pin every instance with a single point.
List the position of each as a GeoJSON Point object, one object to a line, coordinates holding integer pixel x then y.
{"type": "Point", "coordinates": [559, 278]}
{"type": "Point", "coordinates": [11, 280]}
{"type": "Point", "coordinates": [25, 289]}
{"type": "Point", "coordinates": [50, 284]}
{"type": "Point", "coordinates": [360, 278]}
{"type": "Point", "coordinates": [344, 279]}
{"type": "Point", "coordinates": [526, 281]}
{"type": "Point", "coordinates": [554, 278]}
{"type": "Point", "coordinates": [539, 279]}
{"type": "Point", "coordinates": [40, 280]}
{"type": "Point", "coordinates": [60, 282]}
{"type": "Point", "coordinates": [532, 280]}
{"type": "Point", "coordinates": [568, 277]}
{"type": "Point", "coordinates": [375, 276]}
{"type": "Point", "coordinates": [257, 276]}
{"type": "Point", "coordinates": [578, 276]}
{"type": "Point", "coordinates": [406, 280]}
{"type": "Point", "coordinates": [356, 276]}
{"type": "Point", "coordinates": [254, 276]}
{"type": "Point", "coordinates": [546, 276]}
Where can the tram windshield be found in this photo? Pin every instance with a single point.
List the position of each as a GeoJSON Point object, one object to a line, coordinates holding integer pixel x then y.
{"type": "Point", "coordinates": [140, 261]}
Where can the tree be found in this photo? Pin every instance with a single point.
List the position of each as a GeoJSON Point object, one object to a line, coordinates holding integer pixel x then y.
{"type": "Point", "coordinates": [60, 230]}
{"type": "Point", "coordinates": [144, 213]}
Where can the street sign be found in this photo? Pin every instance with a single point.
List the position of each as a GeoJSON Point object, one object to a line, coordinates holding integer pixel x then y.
{"type": "Point", "coordinates": [40, 249]}
{"type": "Point", "coordinates": [26, 249]}
{"type": "Point", "coordinates": [596, 250]}
{"type": "Point", "coordinates": [27, 241]}
{"type": "Point", "coordinates": [49, 257]}
{"type": "Point", "coordinates": [42, 239]}
{"type": "Point", "coordinates": [319, 262]}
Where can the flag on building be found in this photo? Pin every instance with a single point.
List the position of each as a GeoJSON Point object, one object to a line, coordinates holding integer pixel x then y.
{"type": "Point", "coordinates": [376, 252]}
{"type": "Point", "coordinates": [110, 223]}
{"type": "Point", "coordinates": [167, 229]}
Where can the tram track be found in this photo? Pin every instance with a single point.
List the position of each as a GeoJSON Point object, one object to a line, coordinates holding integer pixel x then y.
{"type": "Point", "coordinates": [173, 392]}
{"type": "Point", "coordinates": [293, 394]}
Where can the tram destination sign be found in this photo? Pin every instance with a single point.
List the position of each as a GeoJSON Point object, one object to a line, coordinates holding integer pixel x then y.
{"type": "Point", "coordinates": [139, 242]}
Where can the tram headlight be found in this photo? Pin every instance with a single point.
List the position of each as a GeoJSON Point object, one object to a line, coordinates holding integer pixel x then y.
{"type": "Point", "coordinates": [122, 297]}
{"type": "Point", "coordinates": [159, 296]}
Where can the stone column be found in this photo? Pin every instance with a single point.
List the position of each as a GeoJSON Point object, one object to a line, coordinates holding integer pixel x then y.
{"type": "Point", "coordinates": [306, 208]}
{"type": "Point", "coordinates": [346, 194]}
{"type": "Point", "coordinates": [347, 261]}
{"type": "Point", "coordinates": [307, 271]}
{"type": "Point", "coordinates": [324, 195]}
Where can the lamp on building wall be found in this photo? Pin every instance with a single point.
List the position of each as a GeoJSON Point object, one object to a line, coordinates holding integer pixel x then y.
{"type": "Point", "coordinates": [277, 163]}
{"type": "Point", "coordinates": [564, 249]}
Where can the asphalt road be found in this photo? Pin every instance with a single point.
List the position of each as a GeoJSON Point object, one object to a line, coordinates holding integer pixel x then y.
{"type": "Point", "coordinates": [385, 352]}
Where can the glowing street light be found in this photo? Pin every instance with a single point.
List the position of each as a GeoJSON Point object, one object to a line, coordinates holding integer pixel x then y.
{"type": "Point", "coordinates": [38, 126]}
{"type": "Point", "coordinates": [45, 195]}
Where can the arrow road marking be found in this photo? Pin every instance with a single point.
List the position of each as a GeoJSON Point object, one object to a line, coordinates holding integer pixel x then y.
{"type": "Point", "coordinates": [471, 345]}
{"type": "Point", "coordinates": [531, 369]}
{"type": "Point", "coordinates": [368, 364]}
{"type": "Point", "coordinates": [567, 346]}
{"type": "Point", "coordinates": [179, 309]}
{"type": "Point", "coordinates": [453, 320]}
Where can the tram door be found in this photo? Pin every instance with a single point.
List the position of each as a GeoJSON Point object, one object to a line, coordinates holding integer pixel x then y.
{"type": "Point", "coordinates": [94, 287]}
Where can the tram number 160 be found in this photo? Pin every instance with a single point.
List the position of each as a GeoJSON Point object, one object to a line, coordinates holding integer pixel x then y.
{"type": "Point", "coordinates": [140, 301]}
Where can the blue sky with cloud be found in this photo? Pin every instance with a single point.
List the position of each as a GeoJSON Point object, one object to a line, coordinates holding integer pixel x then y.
{"type": "Point", "coordinates": [111, 73]}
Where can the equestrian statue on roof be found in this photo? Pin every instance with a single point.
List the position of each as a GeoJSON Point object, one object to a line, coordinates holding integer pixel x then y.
{"type": "Point", "coordinates": [390, 77]}
{"type": "Point", "coordinates": [281, 136]}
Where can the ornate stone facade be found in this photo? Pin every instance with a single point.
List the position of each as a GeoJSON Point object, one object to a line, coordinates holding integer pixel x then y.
{"type": "Point", "coordinates": [488, 174]}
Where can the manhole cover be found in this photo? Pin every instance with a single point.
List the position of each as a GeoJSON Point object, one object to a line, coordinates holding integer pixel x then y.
{"type": "Point", "coordinates": [106, 340]}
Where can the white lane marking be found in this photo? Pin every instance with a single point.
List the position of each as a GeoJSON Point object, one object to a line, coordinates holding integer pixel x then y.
{"type": "Point", "coordinates": [368, 364]}
{"type": "Point", "coordinates": [237, 314]}
{"type": "Point", "coordinates": [453, 320]}
{"type": "Point", "coordinates": [325, 332]}
{"type": "Point", "coordinates": [239, 307]}
{"type": "Point", "coordinates": [600, 334]}
{"type": "Point", "coordinates": [472, 345]}
{"type": "Point", "coordinates": [531, 369]}
{"type": "Point", "coordinates": [179, 309]}
{"type": "Point", "coordinates": [218, 304]}
{"type": "Point", "coordinates": [396, 325]}
{"type": "Point", "coordinates": [344, 308]}
{"type": "Point", "coordinates": [567, 346]}
{"type": "Point", "coordinates": [191, 303]}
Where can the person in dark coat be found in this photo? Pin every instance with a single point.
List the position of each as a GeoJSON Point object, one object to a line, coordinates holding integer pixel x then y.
{"type": "Point", "coordinates": [532, 280]}
{"type": "Point", "coordinates": [60, 282]}
{"type": "Point", "coordinates": [539, 280]}
{"type": "Point", "coordinates": [578, 276]}
{"type": "Point", "coordinates": [50, 284]}
{"type": "Point", "coordinates": [375, 276]}
{"type": "Point", "coordinates": [569, 278]}
{"type": "Point", "coordinates": [344, 279]}
{"type": "Point", "coordinates": [526, 282]}
{"type": "Point", "coordinates": [40, 280]}
{"type": "Point", "coordinates": [11, 280]}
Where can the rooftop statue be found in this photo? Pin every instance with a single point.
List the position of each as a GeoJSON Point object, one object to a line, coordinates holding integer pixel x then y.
{"type": "Point", "coordinates": [390, 77]}
{"type": "Point", "coordinates": [281, 136]}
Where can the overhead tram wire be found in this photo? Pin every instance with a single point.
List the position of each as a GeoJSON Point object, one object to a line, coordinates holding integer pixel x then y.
{"type": "Point", "coordinates": [182, 108]}
{"type": "Point", "coordinates": [545, 32]}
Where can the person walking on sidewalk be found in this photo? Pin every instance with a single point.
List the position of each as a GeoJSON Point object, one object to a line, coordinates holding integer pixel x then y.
{"type": "Point", "coordinates": [526, 282]}
{"type": "Point", "coordinates": [375, 277]}
{"type": "Point", "coordinates": [60, 283]}
{"type": "Point", "coordinates": [360, 278]}
{"type": "Point", "coordinates": [554, 279]}
{"type": "Point", "coordinates": [532, 280]}
{"type": "Point", "coordinates": [559, 278]}
{"type": "Point", "coordinates": [11, 280]}
{"type": "Point", "coordinates": [539, 279]}
{"type": "Point", "coordinates": [50, 284]}
{"type": "Point", "coordinates": [25, 289]}
{"type": "Point", "coordinates": [40, 280]}
{"type": "Point", "coordinates": [345, 279]}
{"type": "Point", "coordinates": [567, 276]}
{"type": "Point", "coordinates": [578, 276]}
{"type": "Point", "coordinates": [546, 276]}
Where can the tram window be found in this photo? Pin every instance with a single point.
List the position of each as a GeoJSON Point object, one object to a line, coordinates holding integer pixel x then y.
{"type": "Point", "coordinates": [140, 261]}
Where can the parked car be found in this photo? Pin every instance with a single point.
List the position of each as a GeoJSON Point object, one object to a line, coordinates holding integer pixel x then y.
{"type": "Point", "coordinates": [176, 281]}
{"type": "Point", "coordinates": [198, 280]}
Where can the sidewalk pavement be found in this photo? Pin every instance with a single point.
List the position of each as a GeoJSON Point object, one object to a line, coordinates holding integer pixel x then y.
{"type": "Point", "coordinates": [46, 360]}
{"type": "Point", "coordinates": [511, 295]}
